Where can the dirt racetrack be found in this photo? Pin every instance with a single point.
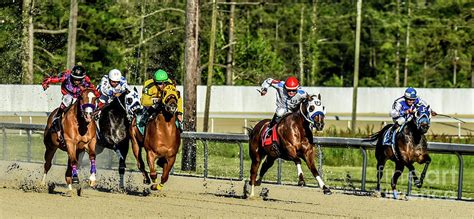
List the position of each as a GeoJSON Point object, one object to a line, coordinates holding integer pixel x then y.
{"type": "Point", "coordinates": [21, 196]}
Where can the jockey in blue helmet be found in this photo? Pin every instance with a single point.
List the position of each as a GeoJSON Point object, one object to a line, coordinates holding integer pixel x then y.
{"type": "Point", "coordinates": [404, 106]}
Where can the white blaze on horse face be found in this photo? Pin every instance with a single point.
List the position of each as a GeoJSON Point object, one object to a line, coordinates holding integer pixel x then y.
{"type": "Point", "coordinates": [300, 171]}
{"type": "Point", "coordinates": [90, 97]}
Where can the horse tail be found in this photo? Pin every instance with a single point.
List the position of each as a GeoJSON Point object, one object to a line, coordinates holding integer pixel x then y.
{"type": "Point", "coordinates": [378, 134]}
{"type": "Point", "coordinates": [249, 131]}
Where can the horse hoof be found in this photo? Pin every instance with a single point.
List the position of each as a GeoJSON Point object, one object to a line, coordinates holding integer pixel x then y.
{"type": "Point", "coordinates": [395, 194]}
{"type": "Point", "coordinates": [146, 181]}
{"type": "Point", "coordinates": [326, 190]}
{"type": "Point", "coordinates": [264, 193]}
{"type": "Point", "coordinates": [246, 189]}
{"type": "Point", "coordinates": [301, 183]}
{"type": "Point", "coordinates": [79, 191]}
{"type": "Point", "coordinates": [418, 184]}
{"type": "Point", "coordinates": [258, 182]}
{"type": "Point", "coordinates": [157, 187]}
{"type": "Point", "coordinates": [51, 187]}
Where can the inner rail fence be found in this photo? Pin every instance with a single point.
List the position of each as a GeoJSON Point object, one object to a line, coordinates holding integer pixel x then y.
{"type": "Point", "coordinates": [329, 142]}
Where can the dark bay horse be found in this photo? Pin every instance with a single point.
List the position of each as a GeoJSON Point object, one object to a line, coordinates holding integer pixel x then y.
{"type": "Point", "coordinates": [114, 124]}
{"type": "Point", "coordinates": [161, 140]}
{"type": "Point", "coordinates": [78, 132]}
{"type": "Point", "coordinates": [296, 142]}
{"type": "Point", "coordinates": [410, 146]}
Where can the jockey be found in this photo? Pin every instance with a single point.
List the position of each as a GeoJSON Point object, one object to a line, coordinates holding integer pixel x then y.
{"type": "Point", "coordinates": [72, 83]}
{"type": "Point", "coordinates": [111, 85]}
{"type": "Point", "coordinates": [403, 107]}
{"type": "Point", "coordinates": [289, 96]}
{"type": "Point", "coordinates": [151, 97]}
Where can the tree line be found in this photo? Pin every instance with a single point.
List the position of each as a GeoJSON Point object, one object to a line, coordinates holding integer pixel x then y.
{"type": "Point", "coordinates": [420, 43]}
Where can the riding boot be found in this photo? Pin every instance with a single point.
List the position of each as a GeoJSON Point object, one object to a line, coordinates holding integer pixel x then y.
{"type": "Point", "coordinates": [274, 121]}
{"type": "Point", "coordinates": [144, 117]}
{"type": "Point", "coordinates": [179, 125]}
{"type": "Point", "coordinates": [56, 126]}
{"type": "Point", "coordinates": [98, 111]}
{"type": "Point", "coordinates": [393, 129]}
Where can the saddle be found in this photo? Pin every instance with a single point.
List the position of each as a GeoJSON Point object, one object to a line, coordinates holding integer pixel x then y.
{"type": "Point", "coordinates": [389, 137]}
{"type": "Point", "coordinates": [269, 136]}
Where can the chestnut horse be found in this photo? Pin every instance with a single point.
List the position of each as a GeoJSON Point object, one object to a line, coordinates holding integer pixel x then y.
{"type": "Point", "coordinates": [296, 142]}
{"type": "Point", "coordinates": [161, 140]}
{"type": "Point", "coordinates": [78, 133]}
{"type": "Point", "coordinates": [410, 146]}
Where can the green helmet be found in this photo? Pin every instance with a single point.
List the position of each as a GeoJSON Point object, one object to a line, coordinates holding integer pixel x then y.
{"type": "Point", "coordinates": [160, 75]}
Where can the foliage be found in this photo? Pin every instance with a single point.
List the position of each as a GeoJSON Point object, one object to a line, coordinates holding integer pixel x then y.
{"type": "Point", "coordinates": [266, 41]}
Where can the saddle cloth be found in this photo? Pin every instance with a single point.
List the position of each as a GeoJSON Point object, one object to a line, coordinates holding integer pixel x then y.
{"type": "Point", "coordinates": [269, 136]}
{"type": "Point", "coordinates": [388, 138]}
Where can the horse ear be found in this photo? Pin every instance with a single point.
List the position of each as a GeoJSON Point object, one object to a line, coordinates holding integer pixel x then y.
{"type": "Point", "coordinates": [135, 89]}
{"type": "Point", "coordinates": [319, 96]}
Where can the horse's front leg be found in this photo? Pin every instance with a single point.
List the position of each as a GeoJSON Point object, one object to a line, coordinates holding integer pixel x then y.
{"type": "Point", "coordinates": [93, 170]}
{"type": "Point", "coordinates": [48, 157]}
{"type": "Point", "coordinates": [309, 158]}
{"type": "Point", "coordinates": [398, 172]}
{"type": "Point", "coordinates": [151, 157]}
{"type": "Point", "coordinates": [411, 168]}
{"type": "Point", "coordinates": [301, 181]}
{"type": "Point", "coordinates": [427, 161]}
{"type": "Point", "coordinates": [166, 171]}
{"type": "Point", "coordinates": [255, 156]}
{"type": "Point", "coordinates": [123, 147]}
{"type": "Point", "coordinates": [137, 152]}
{"type": "Point", "coordinates": [72, 163]}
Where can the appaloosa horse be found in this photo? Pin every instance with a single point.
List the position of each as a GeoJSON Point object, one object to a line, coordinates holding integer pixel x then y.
{"type": "Point", "coordinates": [295, 142]}
{"type": "Point", "coordinates": [410, 146]}
{"type": "Point", "coordinates": [114, 124]}
{"type": "Point", "coordinates": [161, 140]}
{"type": "Point", "coordinates": [78, 133]}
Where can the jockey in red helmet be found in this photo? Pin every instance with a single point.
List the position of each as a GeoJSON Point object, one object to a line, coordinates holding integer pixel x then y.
{"type": "Point", "coordinates": [289, 96]}
{"type": "Point", "coordinates": [72, 83]}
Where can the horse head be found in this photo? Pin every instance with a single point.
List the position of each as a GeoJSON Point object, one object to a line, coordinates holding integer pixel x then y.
{"type": "Point", "coordinates": [87, 103]}
{"type": "Point", "coordinates": [132, 103]}
{"type": "Point", "coordinates": [423, 118]}
{"type": "Point", "coordinates": [170, 98]}
{"type": "Point", "coordinates": [315, 111]}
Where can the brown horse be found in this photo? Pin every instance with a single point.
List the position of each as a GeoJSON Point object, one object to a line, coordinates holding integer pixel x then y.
{"type": "Point", "coordinates": [161, 140]}
{"type": "Point", "coordinates": [78, 133]}
{"type": "Point", "coordinates": [296, 142]}
{"type": "Point", "coordinates": [410, 146]}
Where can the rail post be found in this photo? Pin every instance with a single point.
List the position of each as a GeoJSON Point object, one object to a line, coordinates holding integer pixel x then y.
{"type": "Point", "coordinates": [29, 145]}
{"type": "Point", "coordinates": [280, 164]}
{"type": "Point", "coordinates": [410, 178]}
{"type": "Point", "coordinates": [4, 154]}
{"type": "Point", "coordinates": [241, 154]}
{"type": "Point", "coordinates": [460, 176]}
{"type": "Point", "coordinates": [320, 161]}
{"type": "Point", "coordinates": [364, 168]}
{"type": "Point", "coordinates": [206, 159]}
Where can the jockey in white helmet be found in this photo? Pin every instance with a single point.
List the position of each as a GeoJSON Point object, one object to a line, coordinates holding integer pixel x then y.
{"type": "Point", "coordinates": [112, 85]}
